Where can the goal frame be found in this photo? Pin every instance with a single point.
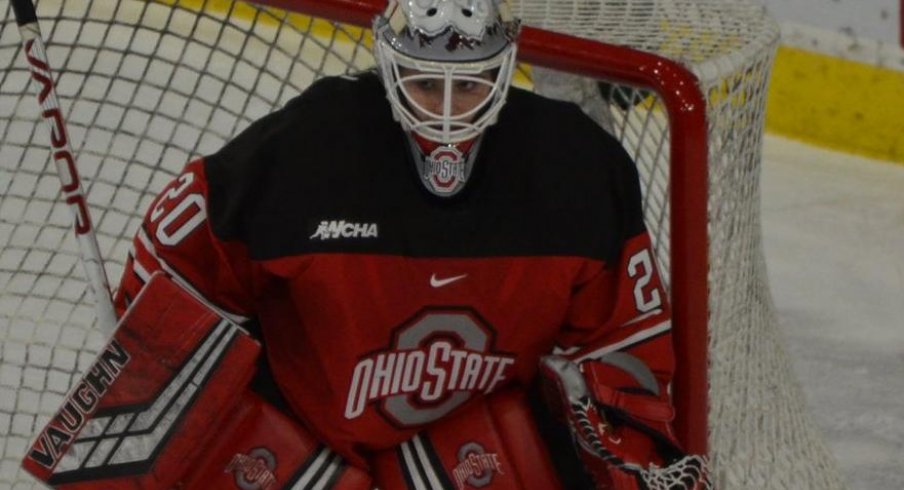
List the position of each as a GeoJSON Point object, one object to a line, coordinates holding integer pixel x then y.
{"type": "Point", "coordinates": [685, 105]}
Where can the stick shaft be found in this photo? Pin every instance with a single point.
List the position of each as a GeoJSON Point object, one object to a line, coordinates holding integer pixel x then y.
{"type": "Point", "coordinates": [71, 187]}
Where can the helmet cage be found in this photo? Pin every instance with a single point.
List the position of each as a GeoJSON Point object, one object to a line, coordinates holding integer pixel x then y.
{"type": "Point", "coordinates": [449, 42]}
{"type": "Point", "coordinates": [446, 127]}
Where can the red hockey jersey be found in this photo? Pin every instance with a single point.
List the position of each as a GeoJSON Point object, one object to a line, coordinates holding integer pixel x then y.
{"type": "Point", "coordinates": [383, 308]}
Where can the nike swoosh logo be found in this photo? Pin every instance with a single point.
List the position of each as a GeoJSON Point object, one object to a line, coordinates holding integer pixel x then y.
{"type": "Point", "coordinates": [438, 283]}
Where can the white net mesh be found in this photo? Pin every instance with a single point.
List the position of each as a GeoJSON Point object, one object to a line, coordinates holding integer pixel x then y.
{"type": "Point", "coordinates": [144, 86]}
{"type": "Point", "coordinates": [687, 473]}
{"type": "Point", "coordinates": [760, 435]}
{"type": "Point", "coordinates": [147, 85]}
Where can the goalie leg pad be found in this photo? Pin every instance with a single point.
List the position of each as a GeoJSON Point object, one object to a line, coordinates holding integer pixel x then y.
{"type": "Point", "coordinates": [261, 448]}
{"type": "Point", "coordinates": [492, 444]}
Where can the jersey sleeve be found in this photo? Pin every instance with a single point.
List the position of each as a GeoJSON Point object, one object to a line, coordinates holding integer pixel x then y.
{"type": "Point", "coordinates": [618, 325]}
{"type": "Point", "coordinates": [623, 308]}
{"type": "Point", "coordinates": [176, 237]}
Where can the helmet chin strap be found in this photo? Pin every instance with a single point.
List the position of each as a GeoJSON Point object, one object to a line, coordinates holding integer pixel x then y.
{"type": "Point", "coordinates": [443, 168]}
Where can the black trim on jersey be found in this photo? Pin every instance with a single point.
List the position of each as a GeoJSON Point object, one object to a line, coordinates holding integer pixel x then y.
{"type": "Point", "coordinates": [337, 474]}
{"type": "Point", "coordinates": [405, 469]}
{"type": "Point", "coordinates": [436, 462]}
{"type": "Point", "coordinates": [127, 299]}
{"type": "Point", "coordinates": [547, 182]}
{"type": "Point", "coordinates": [420, 470]}
{"type": "Point", "coordinates": [130, 266]}
{"type": "Point", "coordinates": [318, 471]}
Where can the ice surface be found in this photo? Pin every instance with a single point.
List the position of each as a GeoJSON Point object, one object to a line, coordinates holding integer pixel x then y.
{"type": "Point", "coordinates": [833, 227]}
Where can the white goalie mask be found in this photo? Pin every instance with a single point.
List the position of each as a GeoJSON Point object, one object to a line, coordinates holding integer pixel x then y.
{"type": "Point", "coordinates": [446, 44]}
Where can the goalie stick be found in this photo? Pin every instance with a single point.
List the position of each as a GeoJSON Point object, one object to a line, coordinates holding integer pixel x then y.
{"type": "Point", "coordinates": [71, 187]}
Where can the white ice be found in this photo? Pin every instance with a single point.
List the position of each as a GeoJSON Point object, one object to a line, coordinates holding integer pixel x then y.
{"type": "Point", "coordinates": [833, 228]}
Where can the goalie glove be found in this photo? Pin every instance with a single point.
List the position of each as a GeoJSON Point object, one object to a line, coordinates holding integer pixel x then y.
{"type": "Point", "coordinates": [622, 438]}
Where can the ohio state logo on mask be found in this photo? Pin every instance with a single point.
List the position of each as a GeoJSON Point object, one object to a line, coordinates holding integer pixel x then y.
{"type": "Point", "coordinates": [436, 362]}
{"type": "Point", "coordinates": [445, 170]}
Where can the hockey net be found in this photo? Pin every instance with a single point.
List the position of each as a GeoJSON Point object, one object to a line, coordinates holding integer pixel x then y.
{"type": "Point", "coordinates": [147, 85]}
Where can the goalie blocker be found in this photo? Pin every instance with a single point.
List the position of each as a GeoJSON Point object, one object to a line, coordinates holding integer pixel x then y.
{"type": "Point", "coordinates": [160, 409]}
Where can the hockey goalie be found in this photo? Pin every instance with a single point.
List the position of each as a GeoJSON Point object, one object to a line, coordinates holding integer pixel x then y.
{"type": "Point", "coordinates": [416, 277]}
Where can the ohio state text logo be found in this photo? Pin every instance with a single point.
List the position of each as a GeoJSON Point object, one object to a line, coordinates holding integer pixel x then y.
{"type": "Point", "coordinates": [436, 362]}
{"type": "Point", "coordinates": [444, 170]}
{"type": "Point", "coordinates": [253, 471]}
{"type": "Point", "coordinates": [475, 466]}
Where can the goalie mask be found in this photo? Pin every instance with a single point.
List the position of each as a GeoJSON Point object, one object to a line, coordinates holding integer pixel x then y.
{"type": "Point", "coordinates": [447, 66]}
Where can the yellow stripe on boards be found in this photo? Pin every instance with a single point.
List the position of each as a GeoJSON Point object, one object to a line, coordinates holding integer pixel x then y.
{"type": "Point", "coordinates": [815, 98]}
{"type": "Point", "coordinates": [320, 28]}
{"type": "Point", "coordinates": [839, 104]}
{"type": "Point", "coordinates": [303, 23]}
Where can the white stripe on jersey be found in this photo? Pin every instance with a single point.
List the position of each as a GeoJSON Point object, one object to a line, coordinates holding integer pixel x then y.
{"type": "Point", "coordinates": [139, 269]}
{"type": "Point", "coordinates": [324, 457]}
{"type": "Point", "coordinates": [149, 246]}
{"type": "Point", "coordinates": [627, 341]}
{"type": "Point", "coordinates": [429, 470]}
{"type": "Point", "coordinates": [643, 317]}
{"type": "Point", "coordinates": [416, 478]}
{"type": "Point", "coordinates": [334, 466]}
